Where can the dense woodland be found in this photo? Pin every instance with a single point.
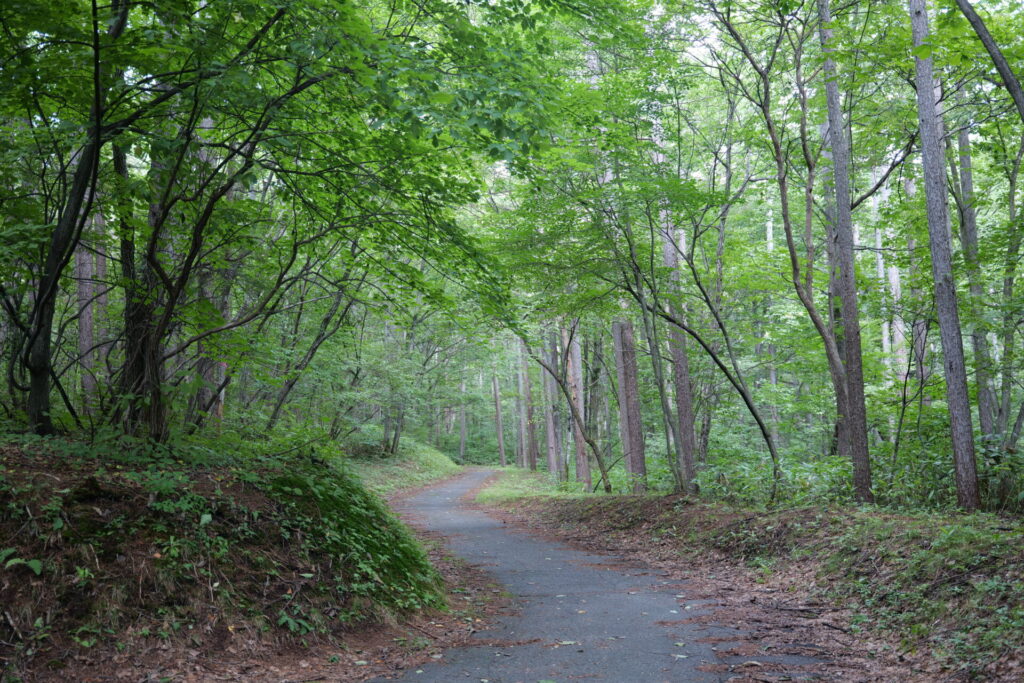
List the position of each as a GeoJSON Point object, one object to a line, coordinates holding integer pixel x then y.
{"type": "Point", "coordinates": [766, 251]}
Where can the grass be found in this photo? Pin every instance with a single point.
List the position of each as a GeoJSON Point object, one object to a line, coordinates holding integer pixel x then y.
{"type": "Point", "coordinates": [515, 483]}
{"type": "Point", "coordinates": [946, 583]}
{"type": "Point", "coordinates": [416, 464]}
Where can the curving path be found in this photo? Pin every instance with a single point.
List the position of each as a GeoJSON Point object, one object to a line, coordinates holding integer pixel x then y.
{"type": "Point", "coordinates": [575, 619]}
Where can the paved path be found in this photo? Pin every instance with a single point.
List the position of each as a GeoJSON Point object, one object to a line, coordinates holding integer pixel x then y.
{"type": "Point", "coordinates": [578, 620]}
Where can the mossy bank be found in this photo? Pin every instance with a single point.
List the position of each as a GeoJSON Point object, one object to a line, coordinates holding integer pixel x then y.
{"type": "Point", "coordinates": [113, 545]}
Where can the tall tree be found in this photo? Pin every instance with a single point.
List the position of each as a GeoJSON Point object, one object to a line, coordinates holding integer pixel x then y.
{"type": "Point", "coordinates": [933, 161]}
{"type": "Point", "coordinates": [498, 425]}
{"type": "Point", "coordinates": [630, 424]}
{"type": "Point", "coordinates": [855, 419]}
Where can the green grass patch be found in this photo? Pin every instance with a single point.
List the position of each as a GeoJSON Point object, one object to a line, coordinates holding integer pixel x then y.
{"type": "Point", "coordinates": [416, 464]}
{"type": "Point", "coordinates": [954, 583]}
{"type": "Point", "coordinates": [514, 483]}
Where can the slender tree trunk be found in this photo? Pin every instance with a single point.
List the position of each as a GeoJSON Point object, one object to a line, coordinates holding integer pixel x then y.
{"type": "Point", "coordinates": [1011, 310]}
{"type": "Point", "coordinates": [575, 376]}
{"type": "Point", "coordinates": [462, 422]}
{"type": "Point", "coordinates": [963, 184]}
{"type": "Point", "coordinates": [856, 418]}
{"type": "Point", "coordinates": [396, 438]}
{"type": "Point", "coordinates": [880, 277]}
{"type": "Point", "coordinates": [329, 325]}
{"type": "Point", "coordinates": [499, 426]}
{"type": "Point", "coordinates": [532, 451]}
{"type": "Point", "coordinates": [683, 428]}
{"type": "Point", "coordinates": [86, 290]}
{"type": "Point", "coordinates": [63, 241]}
{"type": "Point", "coordinates": [961, 431]}
{"type": "Point", "coordinates": [596, 399]}
{"type": "Point", "coordinates": [687, 448]}
{"type": "Point", "coordinates": [209, 398]}
{"type": "Point", "coordinates": [801, 278]}
{"type": "Point", "coordinates": [631, 427]}
{"type": "Point", "coordinates": [552, 414]}
{"type": "Point", "coordinates": [521, 415]}
{"type": "Point", "coordinates": [1010, 80]}
{"type": "Point", "coordinates": [773, 382]}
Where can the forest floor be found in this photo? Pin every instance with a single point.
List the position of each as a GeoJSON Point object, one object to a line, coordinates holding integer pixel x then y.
{"type": "Point", "coordinates": [589, 605]}
{"type": "Point", "coordinates": [134, 607]}
{"type": "Point", "coordinates": [644, 588]}
{"type": "Point", "coordinates": [877, 595]}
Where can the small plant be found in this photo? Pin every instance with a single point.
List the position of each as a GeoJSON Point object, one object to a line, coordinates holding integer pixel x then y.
{"type": "Point", "coordinates": [9, 562]}
{"type": "Point", "coordinates": [294, 622]}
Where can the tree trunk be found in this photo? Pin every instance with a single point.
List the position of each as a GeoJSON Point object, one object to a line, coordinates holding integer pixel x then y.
{"type": "Point", "coordinates": [462, 422]}
{"type": "Point", "coordinates": [687, 448]}
{"type": "Point", "coordinates": [963, 184]}
{"type": "Point", "coordinates": [630, 425]}
{"type": "Point", "coordinates": [209, 398]}
{"type": "Point", "coordinates": [552, 414]}
{"type": "Point", "coordinates": [856, 419]}
{"type": "Point", "coordinates": [86, 290]}
{"type": "Point", "coordinates": [329, 325]}
{"type": "Point", "coordinates": [63, 240]}
{"type": "Point", "coordinates": [532, 451]}
{"type": "Point", "coordinates": [942, 269]}
{"type": "Point", "coordinates": [1010, 308]}
{"type": "Point", "coordinates": [521, 415]}
{"type": "Point", "coordinates": [498, 424]}
{"type": "Point", "coordinates": [575, 375]}
{"type": "Point", "coordinates": [1010, 80]}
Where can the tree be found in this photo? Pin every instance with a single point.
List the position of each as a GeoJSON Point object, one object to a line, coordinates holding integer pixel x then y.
{"type": "Point", "coordinates": [942, 270]}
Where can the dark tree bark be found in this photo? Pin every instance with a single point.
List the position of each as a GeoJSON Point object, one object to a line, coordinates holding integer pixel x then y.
{"type": "Point", "coordinates": [961, 430]}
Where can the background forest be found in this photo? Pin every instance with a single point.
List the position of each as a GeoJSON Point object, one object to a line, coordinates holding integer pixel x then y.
{"type": "Point", "coordinates": [772, 252]}
{"type": "Point", "coordinates": [761, 251]}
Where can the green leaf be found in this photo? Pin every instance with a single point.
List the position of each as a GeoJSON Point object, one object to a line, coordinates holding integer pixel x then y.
{"type": "Point", "coordinates": [922, 51]}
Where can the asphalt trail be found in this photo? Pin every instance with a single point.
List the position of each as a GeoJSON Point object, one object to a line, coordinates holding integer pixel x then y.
{"type": "Point", "coordinates": [577, 620]}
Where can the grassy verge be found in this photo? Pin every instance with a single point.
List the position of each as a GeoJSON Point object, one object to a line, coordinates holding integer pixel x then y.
{"type": "Point", "coordinates": [416, 464]}
{"type": "Point", "coordinates": [113, 546]}
{"type": "Point", "coordinates": [516, 484]}
{"type": "Point", "coordinates": [951, 585]}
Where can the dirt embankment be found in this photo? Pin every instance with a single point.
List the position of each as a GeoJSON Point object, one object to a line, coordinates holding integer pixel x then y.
{"type": "Point", "coordinates": [122, 568]}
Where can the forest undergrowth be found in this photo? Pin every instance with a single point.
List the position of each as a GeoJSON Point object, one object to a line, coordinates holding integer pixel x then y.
{"type": "Point", "coordinates": [122, 547]}
{"type": "Point", "coordinates": [946, 587]}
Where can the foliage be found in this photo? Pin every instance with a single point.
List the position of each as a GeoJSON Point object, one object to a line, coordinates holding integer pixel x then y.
{"type": "Point", "coordinates": [279, 244]}
{"type": "Point", "coordinates": [258, 540]}
{"type": "Point", "coordinates": [415, 464]}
